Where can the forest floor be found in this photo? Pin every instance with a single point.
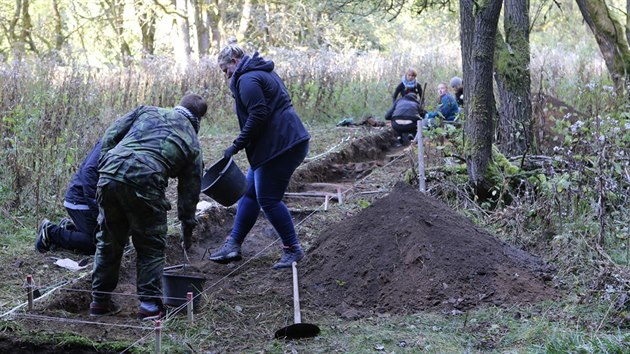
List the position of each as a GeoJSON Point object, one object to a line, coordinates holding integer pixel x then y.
{"type": "Point", "coordinates": [388, 269]}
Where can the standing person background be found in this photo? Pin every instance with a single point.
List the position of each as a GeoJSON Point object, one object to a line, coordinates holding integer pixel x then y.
{"type": "Point", "coordinates": [408, 84]}
{"type": "Point", "coordinates": [276, 143]}
{"type": "Point", "coordinates": [140, 151]}
{"type": "Point", "coordinates": [78, 232]}
{"type": "Point", "coordinates": [458, 90]}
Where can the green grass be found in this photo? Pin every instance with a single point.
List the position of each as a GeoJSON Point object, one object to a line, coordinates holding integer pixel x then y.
{"type": "Point", "coordinates": [529, 329]}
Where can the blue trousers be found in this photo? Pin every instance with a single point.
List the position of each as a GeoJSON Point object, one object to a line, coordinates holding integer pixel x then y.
{"type": "Point", "coordinates": [82, 237]}
{"type": "Point", "coordinates": [265, 188]}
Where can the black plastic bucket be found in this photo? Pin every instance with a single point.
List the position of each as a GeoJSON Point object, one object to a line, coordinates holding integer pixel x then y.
{"type": "Point", "coordinates": [176, 286]}
{"type": "Point", "coordinates": [224, 182]}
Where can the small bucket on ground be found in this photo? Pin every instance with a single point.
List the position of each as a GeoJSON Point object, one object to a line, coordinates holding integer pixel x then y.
{"type": "Point", "coordinates": [176, 286]}
{"type": "Point", "coordinates": [224, 182]}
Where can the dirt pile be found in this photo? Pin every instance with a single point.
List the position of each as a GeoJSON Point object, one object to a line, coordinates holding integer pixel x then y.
{"type": "Point", "coordinates": [409, 252]}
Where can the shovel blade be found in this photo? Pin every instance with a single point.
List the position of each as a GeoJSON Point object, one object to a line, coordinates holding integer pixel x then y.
{"type": "Point", "coordinates": [297, 331]}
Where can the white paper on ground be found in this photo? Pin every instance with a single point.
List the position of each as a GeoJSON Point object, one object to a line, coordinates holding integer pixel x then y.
{"type": "Point", "coordinates": [69, 264]}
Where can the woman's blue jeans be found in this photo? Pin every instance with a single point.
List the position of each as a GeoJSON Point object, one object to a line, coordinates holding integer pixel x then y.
{"type": "Point", "coordinates": [265, 188]}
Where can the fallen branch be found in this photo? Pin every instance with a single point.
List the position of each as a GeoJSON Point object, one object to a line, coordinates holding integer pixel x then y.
{"type": "Point", "coordinates": [9, 216]}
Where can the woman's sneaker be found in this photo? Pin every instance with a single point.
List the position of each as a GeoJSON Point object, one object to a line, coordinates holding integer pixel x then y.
{"type": "Point", "coordinates": [108, 308]}
{"type": "Point", "coordinates": [289, 255]}
{"type": "Point", "coordinates": [229, 252]}
{"type": "Point", "coordinates": [42, 242]}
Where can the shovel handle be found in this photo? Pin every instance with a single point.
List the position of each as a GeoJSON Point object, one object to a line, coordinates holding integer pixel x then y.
{"type": "Point", "coordinates": [297, 317]}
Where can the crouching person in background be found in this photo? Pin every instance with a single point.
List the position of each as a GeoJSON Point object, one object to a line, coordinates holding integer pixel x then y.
{"type": "Point", "coordinates": [447, 108]}
{"type": "Point", "coordinates": [78, 232]}
{"type": "Point", "coordinates": [140, 151]}
{"type": "Point", "coordinates": [404, 115]}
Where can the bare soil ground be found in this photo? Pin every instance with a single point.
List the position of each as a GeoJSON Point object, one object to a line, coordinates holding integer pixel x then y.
{"type": "Point", "coordinates": [404, 253]}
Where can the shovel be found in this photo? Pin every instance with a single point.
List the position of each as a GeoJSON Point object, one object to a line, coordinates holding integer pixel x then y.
{"type": "Point", "coordinates": [298, 329]}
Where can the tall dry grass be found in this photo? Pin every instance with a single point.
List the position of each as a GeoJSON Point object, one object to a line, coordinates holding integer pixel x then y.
{"type": "Point", "coordinates": [51, 115]}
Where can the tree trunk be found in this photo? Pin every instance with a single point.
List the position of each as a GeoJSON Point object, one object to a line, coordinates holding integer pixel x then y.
{"type": "Point", "coordinates": [115, 10]}
{"type": "Point", "coordinates": [202, 26]}
{"type": "Point", "coordinates": [628, 40]}
{"type": "Point", "coordinates": [478, 29]}
{"type": "Point", "coordinates": [181, 43]}
{"type": "Point", "coordinates": [58, 28]}
{"type": "Point", "coordinates": [17, 45]}
{"type": "Point", "coordinates": [146, 19]}
{"type": "Point", "coordinates": [246, 13]}
{"type": "Point", "coordinates": [515, 132]}
{"type": "Point", "coordinates": [27, 27]}
{"type": "Point", "coordinates": [215, 22]}
{"type": "Point", "coordinates": [610, 38]}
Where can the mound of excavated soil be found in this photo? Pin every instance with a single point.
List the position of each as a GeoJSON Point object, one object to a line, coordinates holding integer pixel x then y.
{"type": "Point", "coordinates": [409, 252]}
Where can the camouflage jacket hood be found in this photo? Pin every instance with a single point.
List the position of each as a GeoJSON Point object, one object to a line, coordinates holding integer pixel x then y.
{"type": "Point", "coordinates": [146, 147]}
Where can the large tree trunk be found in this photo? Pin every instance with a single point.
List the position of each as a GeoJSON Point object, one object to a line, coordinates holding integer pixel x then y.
{"type": "Point", "coordinates": [115, 11]}
{"type": "Point", "coordinates": [26, 34]}
{"type": "Point", "coordinates": [246, 14]}
{"type": "Point", "coordinates": [181, 43]}
{"type": "Point", "coordinates": [215, 22]}
{"type": "Point", "coordinates": [58, 28]}
{"type": "Point", "coordinates": [146, 19]}
{"type": "Point", "coordinates": [202, 26]}
{"type": "Point", "coordinates": [515, 132]}
{"type": "Point", "coordinates": [478, 35]}
{"type": "Point", "coordinates": [12, 32]}
{"type": "Point", "coordinates": [610, 38]}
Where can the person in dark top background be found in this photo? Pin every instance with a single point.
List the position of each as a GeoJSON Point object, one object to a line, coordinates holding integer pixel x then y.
{"type": "Point", "coordinates": [458, 90]}
{"type": "Point", "coordinates": [408, 84]}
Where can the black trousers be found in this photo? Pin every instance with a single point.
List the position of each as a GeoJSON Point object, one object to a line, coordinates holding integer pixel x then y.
{"type": "Point", "coordinates": [404, 130]}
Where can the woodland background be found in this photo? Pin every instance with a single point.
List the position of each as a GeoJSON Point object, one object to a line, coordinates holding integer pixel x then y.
{"type": "Point", "coordinates": [69, 68]}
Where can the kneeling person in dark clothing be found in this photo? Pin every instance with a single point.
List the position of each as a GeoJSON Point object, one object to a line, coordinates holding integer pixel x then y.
{"type": "Point", "coordinates": [78, 232]}
{"type": "Point", "coordinates": [140, 152]}
{"type": "Point", "coordinates": [404, 115]}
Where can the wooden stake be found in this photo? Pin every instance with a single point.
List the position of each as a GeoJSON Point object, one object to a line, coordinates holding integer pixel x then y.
{"type": "Point", "coordinates": [189, 298]}
{"type": "Point", "coordinates": [158, 336]}
{"type": "Point", "coordinates": [29, 289]}
{"type": "Point", "coordinates": [339, 197]}
{"type": "Point", "coordinates": [421, 179]}
{"type": "Point", "coordinates": [326, 203]}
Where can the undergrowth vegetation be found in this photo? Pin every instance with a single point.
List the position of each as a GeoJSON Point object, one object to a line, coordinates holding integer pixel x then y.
{"type": "Point", "coordinates": [570, 206]}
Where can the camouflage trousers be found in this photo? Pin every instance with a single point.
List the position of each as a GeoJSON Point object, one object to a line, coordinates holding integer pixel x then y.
{"type": "Point", "coordinates": [125, 211]}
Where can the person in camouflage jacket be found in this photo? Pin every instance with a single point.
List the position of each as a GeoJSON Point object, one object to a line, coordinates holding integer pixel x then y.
{"type": "Point", "coordinates": [139, 152]}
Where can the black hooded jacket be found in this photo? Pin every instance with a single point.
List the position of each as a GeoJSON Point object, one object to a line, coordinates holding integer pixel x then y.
{"type": "Point", "coordinates": [269, 124]}
{"type": "Point", "coordinates": [407, 107]}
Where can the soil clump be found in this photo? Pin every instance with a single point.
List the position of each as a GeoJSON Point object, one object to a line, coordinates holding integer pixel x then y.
{"type": "Point", "coordinates": [409, 252]}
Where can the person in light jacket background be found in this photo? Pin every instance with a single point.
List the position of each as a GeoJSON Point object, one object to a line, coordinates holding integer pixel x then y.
{"type": "Point", "coordinates": [447, 108]}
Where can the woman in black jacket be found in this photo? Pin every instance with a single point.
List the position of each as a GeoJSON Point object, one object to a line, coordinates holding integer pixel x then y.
{"type": "Point", "coordinates": [275, 142]}
{"type": "Point", "coordinates": [408, 84]}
